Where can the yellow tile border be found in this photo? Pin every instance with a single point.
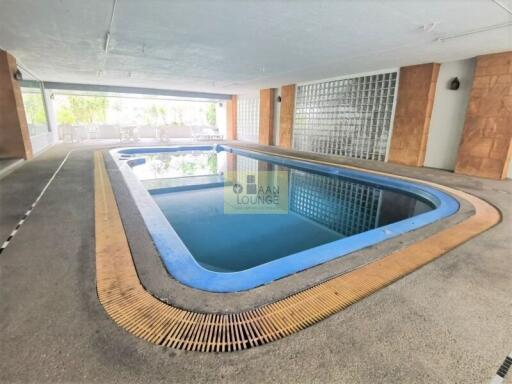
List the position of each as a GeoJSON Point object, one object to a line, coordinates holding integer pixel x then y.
{"type": "Point", "coordinates": [138, 312]}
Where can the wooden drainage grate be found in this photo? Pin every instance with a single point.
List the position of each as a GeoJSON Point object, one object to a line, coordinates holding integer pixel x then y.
{"type": "Point", "coordinates": [137, 311]}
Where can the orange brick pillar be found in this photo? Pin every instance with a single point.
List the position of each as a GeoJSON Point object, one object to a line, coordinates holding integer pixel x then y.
{"type": "Point", "coordinates": [485, 148]}
{"type": "Point", "coordinates": [266, 129]}
{"type": "Point", "coordinates": [231, 118]}
{"type": "Point", "coordinates": [416, 91]}
{"type": "Point", "coordinates": [286, 116]}
{"type": "Point", "coordinates": [14, 133]}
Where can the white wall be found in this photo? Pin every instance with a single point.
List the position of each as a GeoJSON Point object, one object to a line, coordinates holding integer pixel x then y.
{"type": "Point", "coordinates": [50, 114]}
{"type": "Point", "coordinates": [44, 140]}
{"type": "Point", "coordinates": [221, 113]}
{"type": "Point", "coordinates": [41, 142]}
{"type": "Point", "coordinates": [448, 114]}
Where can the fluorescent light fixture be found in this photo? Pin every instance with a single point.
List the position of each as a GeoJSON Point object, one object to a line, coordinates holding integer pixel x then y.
{"type": "Point", "coordinates": [107, 41]}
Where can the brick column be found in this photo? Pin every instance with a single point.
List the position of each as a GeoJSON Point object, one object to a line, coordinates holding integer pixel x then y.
{"type": "Point", "coordinates": [416, 91]}
{"type": "Point", "coordinates": [286, 116]}
{"type": "Point", "coordinates": [486, 148]}
{"type": "Point", "coordinates": [266, 129]}
{"type": "Point", "coordinates": [14, 133]}
{"type": "Point", "coordinates": [231, 118]}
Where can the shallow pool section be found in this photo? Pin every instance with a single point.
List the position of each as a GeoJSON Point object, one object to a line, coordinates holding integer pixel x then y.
{"type": "Point", "coordinates": [329, 212]}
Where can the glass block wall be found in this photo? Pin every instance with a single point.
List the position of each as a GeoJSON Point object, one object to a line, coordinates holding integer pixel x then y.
{"type": "Point", "coordinates": [246, 165]}
{"type": "Point", "coordinates": [248, 118]}
{"type": "Point", "coordinates": [344, 207]}
{"type": "Point", "coordinates": [347, 117]}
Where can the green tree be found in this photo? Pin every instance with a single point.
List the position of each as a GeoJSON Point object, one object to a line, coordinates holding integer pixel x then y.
{"type": "Point", "coordinates": [156, 114]}
{"type": "Point", "coordinates": [65, 116]}
{"type": "Point", "coordinates": [212, 163]}
{"type": "Point", "coordinates": [34, 108]}
{"type": "Point", "coordinates": [177, 113]}
{"type": "Point", "coordinates": [83, 110]}
{"type": "Point", "coordinates": [211, 115]}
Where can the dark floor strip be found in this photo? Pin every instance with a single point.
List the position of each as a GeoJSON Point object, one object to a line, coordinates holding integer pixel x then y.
{"type": "Point", "coordinates": [25, 216]}
{"type": "Point", "coordinates": [499, 377]}
{"type": "Point", "coordinates": [502, 371]}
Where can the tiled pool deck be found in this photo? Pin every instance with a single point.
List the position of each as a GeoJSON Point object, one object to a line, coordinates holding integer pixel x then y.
{"type": "Point", "coordinates": [446, 322]}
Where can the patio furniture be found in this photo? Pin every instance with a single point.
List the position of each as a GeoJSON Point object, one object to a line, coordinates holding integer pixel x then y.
{"type": "Point", "coordinates": [163, 132]}
{"type": "Point", "coordinates": [128, 134]}
{"type": "Point", "coordinates": [70, 133]}
{"type": "Point", "coordinates": [92, 131]}
{"type": "Point", "coordinates": [207, 134]}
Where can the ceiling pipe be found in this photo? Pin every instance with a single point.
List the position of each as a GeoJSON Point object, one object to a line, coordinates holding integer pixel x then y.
{"type": "Point", "coordinates": [475, 31]}
{"type": "Point", "coordinates": [484, 29]}
{"type": "Point", "coordinates": [23, 68]}
{"type": "Point", "coordinates": [107, 35]}
{"type": "Point", "coordinates": [501, 5]}
{"type": "Point", "coordinates": [26, 70]}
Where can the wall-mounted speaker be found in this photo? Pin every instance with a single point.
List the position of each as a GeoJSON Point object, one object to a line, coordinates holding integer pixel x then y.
{"type": "Point", "coordinates": [17, 75]}
{"type": "Point", "coordinates": [454, 84]}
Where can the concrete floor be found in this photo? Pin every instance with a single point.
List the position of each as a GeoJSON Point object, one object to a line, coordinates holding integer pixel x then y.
{"type": "Point", "coordinates": [449, 322]}
{"type": "Point", "coordinates": [9, 165]}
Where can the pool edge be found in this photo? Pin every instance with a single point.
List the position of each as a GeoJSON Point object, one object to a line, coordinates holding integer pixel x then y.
{"type": "Point", "coordinates": [134, 309]}
{"type": "Point", "coordinates": [182, 266]}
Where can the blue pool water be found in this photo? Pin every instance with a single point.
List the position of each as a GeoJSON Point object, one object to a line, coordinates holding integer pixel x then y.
{"type": "Point", "coordinates": [234, 242]}
{"type": "Point", "coordinates": [323, 212]}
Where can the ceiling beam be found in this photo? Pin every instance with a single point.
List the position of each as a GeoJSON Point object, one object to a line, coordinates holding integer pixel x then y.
{"type": "Point", "coordinates": [95, 88]}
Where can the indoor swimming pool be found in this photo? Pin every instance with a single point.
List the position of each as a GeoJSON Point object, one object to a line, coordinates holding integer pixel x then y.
{"type": "Point", "coordinates": [225, 219]}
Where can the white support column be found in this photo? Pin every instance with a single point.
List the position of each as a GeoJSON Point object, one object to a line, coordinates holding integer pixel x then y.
{"type": "Point", "coordinates": [220, 112]}
{"type": "Point", "coordinates": [50, 115]}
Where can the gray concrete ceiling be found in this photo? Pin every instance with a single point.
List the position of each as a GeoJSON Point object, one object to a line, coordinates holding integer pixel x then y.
{"type": "Point", "coordinates": [230, 46]}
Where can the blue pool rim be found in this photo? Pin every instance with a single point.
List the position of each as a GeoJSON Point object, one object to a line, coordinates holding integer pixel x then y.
{"type": "Point", "coordinates": [180, 263]}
